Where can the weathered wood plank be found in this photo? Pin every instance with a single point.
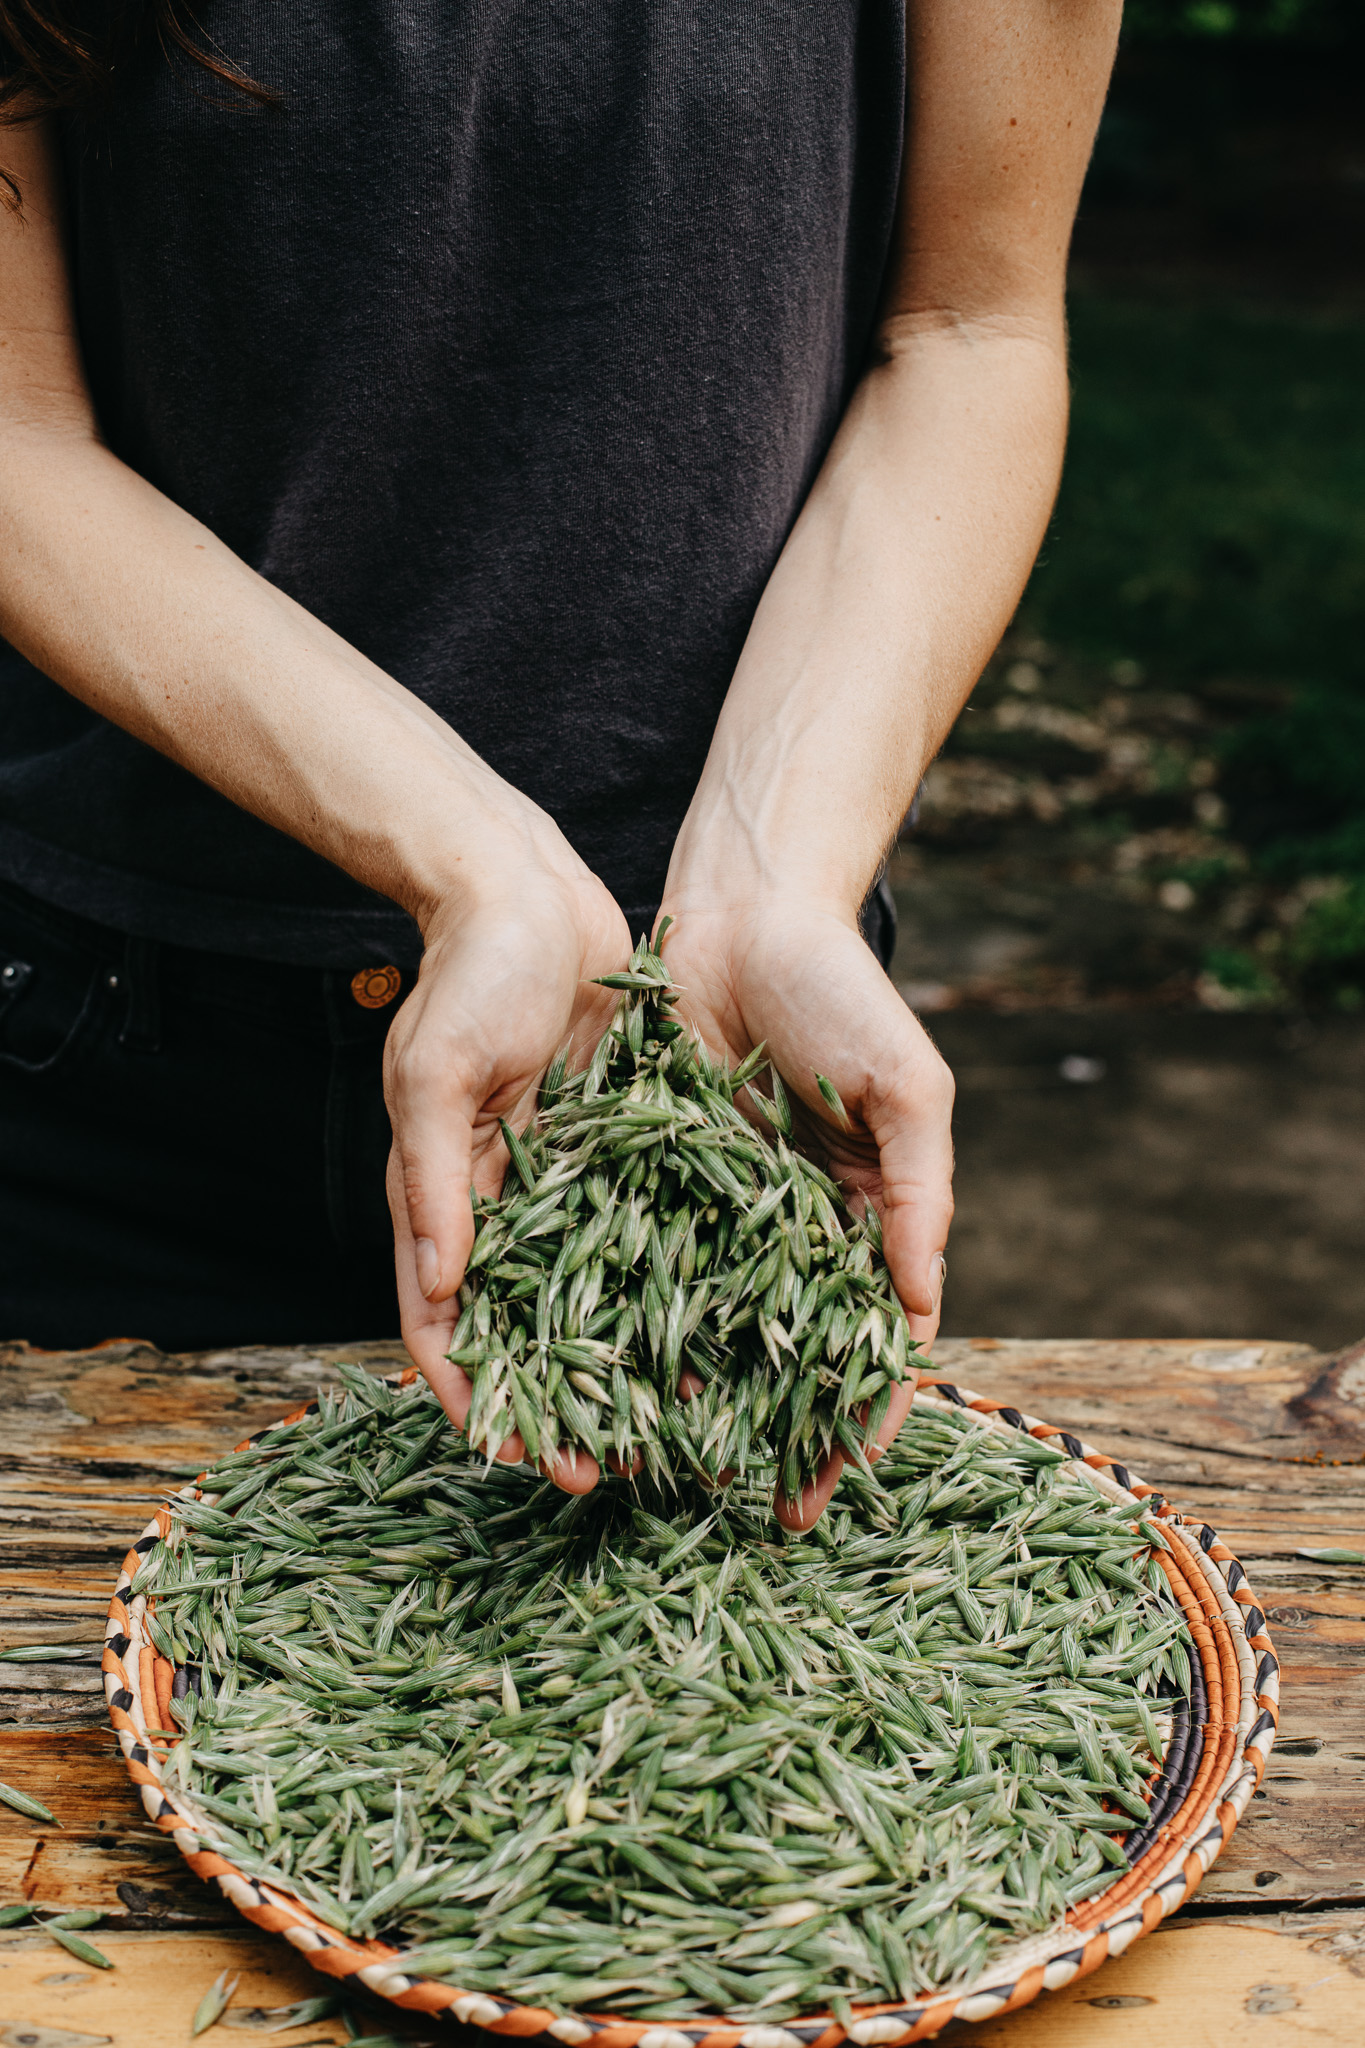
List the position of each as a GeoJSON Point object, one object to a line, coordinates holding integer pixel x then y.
{"type": "Point", "coordinates": [1202, 1984]}
{"type": "Point", "coordinates": [1216, 1426]}
{"type": "Point", "coordinates": [149, 1997]}
{"type": "Point", "coordinates": [105, 1854]}
{"type": "Point", "coordinates": [1198, 1984]}
{"type": "Point", "coordinates": [1235, 1432]}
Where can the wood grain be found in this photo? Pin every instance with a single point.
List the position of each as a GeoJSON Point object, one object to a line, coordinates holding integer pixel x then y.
{"type": "Point", "coordinates": [149, 1997]}
{"type": "Point", "coordinates": [1192, 1984]}
{"type": "Point", "coordinates": [1203, 1984]}
{"type": "Point", "coordinates": [1213, 1424]}
{"type": "Point", "coordinates": [91, 1439]}
{"type": "Point", "coordinates": [1265, 1441]}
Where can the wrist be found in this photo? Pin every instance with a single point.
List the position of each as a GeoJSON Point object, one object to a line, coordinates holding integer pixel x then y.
{"type": "Point", "coordinates": [795, 810]}
{"type": "Point", "coordinates": [737, 864]}
{"type": "Point", "coordinates": [468, 842]}
{"type": "Point", "coordinates": [510, 869]}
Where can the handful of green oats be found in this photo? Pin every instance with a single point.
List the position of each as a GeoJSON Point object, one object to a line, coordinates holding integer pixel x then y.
{"type": "Point", "coordinates": [665, 1760]}
{"type": "Point", "coordinates": [650, 1229]}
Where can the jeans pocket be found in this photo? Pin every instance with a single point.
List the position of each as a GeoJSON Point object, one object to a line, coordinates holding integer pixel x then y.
{"type": "Point", "coordinates": [51, 989]}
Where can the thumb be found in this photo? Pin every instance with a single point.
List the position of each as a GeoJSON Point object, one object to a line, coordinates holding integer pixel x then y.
{"type": "Point", "coordinates": [911, 1121]}
{"type": "Point", "coordinates": [432, 1099]}
{"type": "Point", "coordinates": [429, 1325]}
{"type": "Point", "coordinates": [433, 1232]}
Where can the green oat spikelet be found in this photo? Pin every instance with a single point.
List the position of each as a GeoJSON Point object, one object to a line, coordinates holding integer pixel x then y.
{"type": "Point", "coordinates": [32, 1809]}
{"type": "Point", "coordinates": [650, 1229]}
{"type": "Point", "coordinates": [213, 2004]}
{"type": "Point", "coordinates": [650, 1754]}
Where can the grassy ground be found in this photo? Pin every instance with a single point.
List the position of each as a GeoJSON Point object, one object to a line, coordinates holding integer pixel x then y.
{"type": "Point", "coordinates": [1157, 794]}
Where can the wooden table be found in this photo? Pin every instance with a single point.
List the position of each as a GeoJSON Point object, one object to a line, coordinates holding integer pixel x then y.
{"type": "Point", "coordinates": [1265, 1441]}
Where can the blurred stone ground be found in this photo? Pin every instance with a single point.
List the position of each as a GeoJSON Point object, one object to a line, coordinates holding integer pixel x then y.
{"type": "Point", "coordinates": [1071, 847]}
{"type": "Point", "coordinates": [1143, 1151]}
{"type": "Point", "coordinates": [1199, 1175]}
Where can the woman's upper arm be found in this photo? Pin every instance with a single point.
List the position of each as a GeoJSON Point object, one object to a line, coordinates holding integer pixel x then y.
{"type": "Point", "coordinates": [42, 381]}
{"type": "Point", "coordinates": [1004, 100]}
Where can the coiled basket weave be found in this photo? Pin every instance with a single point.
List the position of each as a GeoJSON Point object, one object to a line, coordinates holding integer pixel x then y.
{"type": "Point", "coordinates": [1215, 1759]}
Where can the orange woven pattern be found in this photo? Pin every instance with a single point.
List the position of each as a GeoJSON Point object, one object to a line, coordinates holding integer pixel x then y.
{"type": "Point", "coordinates": [1214, 1764]}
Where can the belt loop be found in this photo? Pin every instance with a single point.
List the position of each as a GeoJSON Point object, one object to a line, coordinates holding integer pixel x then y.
{"type": "Point", "coordinates": [142, 971]}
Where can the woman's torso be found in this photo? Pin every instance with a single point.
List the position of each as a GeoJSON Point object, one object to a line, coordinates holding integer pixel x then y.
{"type": "Point", "coordinates": [508, 345]}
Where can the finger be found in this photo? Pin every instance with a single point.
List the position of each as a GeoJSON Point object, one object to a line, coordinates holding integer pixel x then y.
{"type": "Point", "coordinates": [427, 1330]}
{"type": "Point", "coordinates": [572, 1470]}
{"type": "Point", "coordinates": [894, 1142]}
{"type": "Point", "coordinates": [814, 1498]}
{"type": "Point", "coordinates": [915, 1220]}
{"type": "Point", "coordinates": [897, 1409]}
{"type": "Point", "coordinates": [491, 1159]}
{"type": "Point", "coordinates": [806, 1509]}
{"type": "Point", "coordinates": [454, 1390]}
{"type": "Point", "coordinates": [910, 1116]}
{"type": "Point", "coordinates": [427, 1326]}
{"type": "Point", "coordinates": [924, 1329]}
{"type": "Point", "coordinates": [430, 1170]}
{"type": "Point", "coordinates": [452, 1387]}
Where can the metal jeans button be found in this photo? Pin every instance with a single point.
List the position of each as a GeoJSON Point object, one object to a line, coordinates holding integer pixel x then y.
{"type": "Point", "coordinates": [376, 987]}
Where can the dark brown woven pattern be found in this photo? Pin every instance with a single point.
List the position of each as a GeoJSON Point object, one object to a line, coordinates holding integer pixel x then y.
{"type": "Point", "coordinates": [1214, 1761]}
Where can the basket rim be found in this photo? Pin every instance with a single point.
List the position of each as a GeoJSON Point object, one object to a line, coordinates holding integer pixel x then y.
{"type": "Point", "coordinates": [1239, 1673]}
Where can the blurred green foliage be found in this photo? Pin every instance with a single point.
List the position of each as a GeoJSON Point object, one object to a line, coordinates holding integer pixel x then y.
{"type": "Point", "coordinates": [1212, 513]}
{"type": "Point", "coordinates": [1308, 21]}
{"type": "Point", "coordinates": [1296, 782]}
{"type": "Point", "coordinates": [1237, 969]}
{"type": "Point", "coordinates": [1327, 951]}
{"type": "Point", "coordinates": [1211, 525]}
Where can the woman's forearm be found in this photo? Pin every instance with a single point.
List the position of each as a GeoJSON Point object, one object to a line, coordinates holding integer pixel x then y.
{"type": "Point", "coordinates": [913, 547]}
{"type": "Point", "coordinates": [143, 614]}
{"type": "Point", "coordinates": [135, 608]}
{"type": "Point", "coordinates": [895, 585]}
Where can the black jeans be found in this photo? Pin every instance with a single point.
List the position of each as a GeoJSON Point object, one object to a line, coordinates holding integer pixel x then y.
{"type": "Point", "coordinates": [192, 1146]}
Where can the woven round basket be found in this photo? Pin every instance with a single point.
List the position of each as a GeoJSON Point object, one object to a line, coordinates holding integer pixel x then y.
{"type": "Point", "coordinates": [1220, 1740]}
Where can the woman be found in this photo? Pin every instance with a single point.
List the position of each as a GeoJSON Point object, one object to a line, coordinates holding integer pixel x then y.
{"type": "Point", "coordinates": [470, 474]}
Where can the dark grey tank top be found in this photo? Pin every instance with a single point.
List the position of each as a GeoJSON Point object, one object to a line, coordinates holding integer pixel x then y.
{"type": "Point", "coordinates": [509, 345]}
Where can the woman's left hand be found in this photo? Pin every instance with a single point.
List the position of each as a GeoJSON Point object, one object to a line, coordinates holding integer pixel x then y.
{"type": "Point", "coordinates": [802, 982]}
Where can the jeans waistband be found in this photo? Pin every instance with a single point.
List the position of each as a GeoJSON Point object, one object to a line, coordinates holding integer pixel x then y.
{"type": "Point", "coordinates": [334, 1005]}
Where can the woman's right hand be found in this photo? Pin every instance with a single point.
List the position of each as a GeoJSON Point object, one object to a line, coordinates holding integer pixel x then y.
{"type": "Point", "coordinates": [148, 618]}
{"type": "Point", "coordinates": [507, 979]}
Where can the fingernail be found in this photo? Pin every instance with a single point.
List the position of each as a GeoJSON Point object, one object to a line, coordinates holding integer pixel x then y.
{"type": "Point", "coordinates": [428, 1266]}
{"type": "Point", "coordinates": [938, 1273]}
